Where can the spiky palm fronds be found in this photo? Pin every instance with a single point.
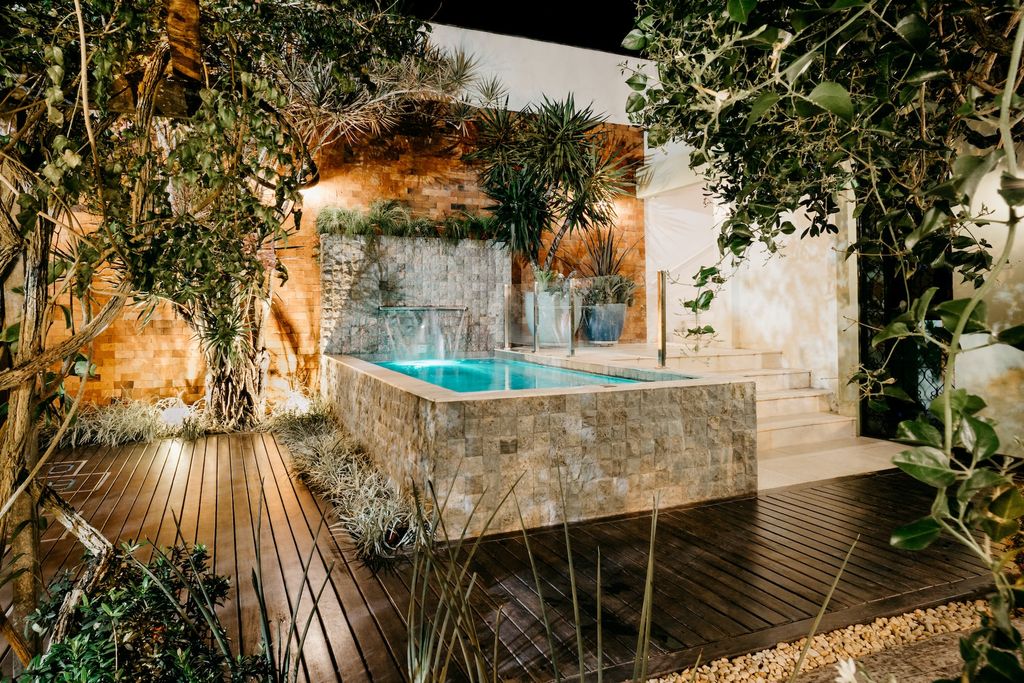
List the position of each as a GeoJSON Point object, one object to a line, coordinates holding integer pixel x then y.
{"type": "Point", "coordinates": [553, 167]}
{"type": "Point", "coordinates": [322, 113]}
{"type": "Point", "coordinates": [603, 254]}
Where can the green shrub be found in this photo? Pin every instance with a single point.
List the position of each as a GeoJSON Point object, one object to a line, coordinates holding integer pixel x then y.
{"type": "Point", "coordinates": [390, 218]}
{"type": "Point", "coordinates": [609, 289]}
{"type": "Point", "coordinates": [131, 421]}
{"type": "Point", "coordinates": [144, 624]}
{"type": "Point", "coordinates": [119, 423]}
{"type": "Point", "coordinates": [335, 220]}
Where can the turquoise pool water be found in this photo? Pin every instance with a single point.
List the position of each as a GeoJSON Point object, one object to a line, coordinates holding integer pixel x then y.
{"type": "Point", "coordinates": [497, 374]}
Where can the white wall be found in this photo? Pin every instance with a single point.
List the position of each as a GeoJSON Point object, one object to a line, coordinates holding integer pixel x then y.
{"type": "Point", "coordinates": [997, 373]}
{"type": "Point", "coordinates": [532, 69]}
{"type": "Point", "coordinates": [680, 237]}
{"type": "Point", "coordinates": [787, 302]}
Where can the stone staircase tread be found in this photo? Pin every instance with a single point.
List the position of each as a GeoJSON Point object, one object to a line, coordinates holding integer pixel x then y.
{"type": "Point", "coordinates": [751, 372]}
{"type": "Point", "coordinates": [809, 392]}
{"type": "Point", "coordinates": [800, 420]}
{"type": "Point", "coordinates": [649, 350]}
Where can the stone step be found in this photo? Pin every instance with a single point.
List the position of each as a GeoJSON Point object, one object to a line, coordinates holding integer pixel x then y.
{"type": "Point", "coordinates": [791, 401]}
{"type": "Point", "coordinates": [774, 379]}
{"type": "Point", "coordinates": [737, 361]}
{"type": "Point", "coordinates": [803, 428]}
{"type": "Point", "coordinates": [722, 362]}
{"type": "Point", "coordinates": [819, 460]}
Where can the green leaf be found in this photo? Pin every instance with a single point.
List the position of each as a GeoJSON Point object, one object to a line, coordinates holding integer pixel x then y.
{"type": "Point", "coordinates": [11, 333]}
{"type": "Point", "coordinates": [833, 98]}
{"type": "Point", "coordinates": [798, 66]}
{"type": "Point", "coordinates": [931, 220]}
{"type": "Point", "coordinates": [998, 529]}
{"type": "Point", "coordinates": [913, 29]}
{"type": "Point", "coordinates": [893, 391]}
{"type": "Point", "coordinates": [1012, 189]}
{"type": "Point", "coordinates": [739, 10]}
{"type": "Point", "coordinates": [637, 81]}
{"type": "Point", "coordinates": [635, 102]}
{"type": "Point", "coordinates": [926, 464]}
{"type": "Point", "coordinates": [1013, 336]}
{"type": "Point", "coordinates": [1001, 665]}
{"type": "Point", "coordinates": [894, 330]}
{"type": "Point", "coordinates": [950, 313]}
{"type": "Point", "coordinates": [969, 169]}
{"type": "Point", "coordinates": [980, 480]}
{"type": "Point", "coordinates": [760, 107]}
{"type": "Point", "coordinates": [635, 40]}
{"type": "Point", "coordinates": [919, 309]}
{"type": "Point", "coordinates": [1008, 505]}
{"type": "Point", "coordinates": [917, 535]}
{"type": "Point", "coordinates": [984, 443]}
{"type": "Point", "coordinates": [961, 402]}
{"type": "Point", "coordinates": [919, 432]}
{"type": "Point", "coordinates": [84, 368]}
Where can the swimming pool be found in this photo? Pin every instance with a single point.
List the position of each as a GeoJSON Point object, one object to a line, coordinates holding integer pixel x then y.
{"type": "Point", "coordinates": [498, 374]}
{"type": "Point", "coordinates": [577, 439]}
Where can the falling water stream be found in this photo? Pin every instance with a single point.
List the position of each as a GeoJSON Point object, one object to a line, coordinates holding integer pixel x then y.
{"type": "Point", "coordinates": [425, 332]}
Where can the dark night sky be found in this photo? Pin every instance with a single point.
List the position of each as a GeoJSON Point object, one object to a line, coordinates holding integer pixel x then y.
{"type": "Point", "coordinates": [599, 25]}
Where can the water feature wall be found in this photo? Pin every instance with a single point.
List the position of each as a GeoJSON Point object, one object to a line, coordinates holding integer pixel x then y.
{"type": "Point", "coordinates": [411, 297]}
{"type": "Point", "coordinates": [425, 332]}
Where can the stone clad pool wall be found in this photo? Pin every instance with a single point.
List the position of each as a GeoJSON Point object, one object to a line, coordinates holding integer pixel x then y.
{"type": "Point", "coordinates": [618, 448]}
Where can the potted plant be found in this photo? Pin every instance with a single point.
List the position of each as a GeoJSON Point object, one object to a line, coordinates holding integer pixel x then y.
{"type": "Point", "coordinates": [552, 169]}
{"type": "Point", "coordinates": [553, 309]}
{"type": "Point", "coordinates": [607, 292]}
{"type": "Point", "coordinates": [605, 300]}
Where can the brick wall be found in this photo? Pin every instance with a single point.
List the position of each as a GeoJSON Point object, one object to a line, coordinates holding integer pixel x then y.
{"type": "Point", "coordinates": [424, 172]}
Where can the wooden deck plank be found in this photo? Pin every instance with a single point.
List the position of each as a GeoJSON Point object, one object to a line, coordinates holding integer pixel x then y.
{"type": "Point", "coordinates": [363, 636]}
{"type": "Point", "coordinates": [840, 524]}
{"type": "Point", "coordinates": [730, 576]}
{"type": "Point", "coordinates": [289, 582]}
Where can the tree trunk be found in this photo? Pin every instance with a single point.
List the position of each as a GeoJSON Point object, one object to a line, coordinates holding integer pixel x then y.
{"type": "Point", "coordinates": [234, 389]}
{"type": "Point", "coordinates": [20, 438]}
{"type": "Point", "coordinates": [235, 386]}
{"type": "Point", "coordinates": [549, 260]}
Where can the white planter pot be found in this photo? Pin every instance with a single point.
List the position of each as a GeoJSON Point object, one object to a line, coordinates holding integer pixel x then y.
{"type": "Point", "coordinates": [552, 317]}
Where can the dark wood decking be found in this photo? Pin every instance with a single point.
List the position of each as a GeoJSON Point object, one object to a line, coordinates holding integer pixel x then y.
{"type": "Point", "coordinates": [730, 577]}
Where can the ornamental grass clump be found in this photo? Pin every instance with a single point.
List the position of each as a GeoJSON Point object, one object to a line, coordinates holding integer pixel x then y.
{"type": "Point", "coordinates": [134, 421]}
{"type": "Point", "coordinates": [371, 508]}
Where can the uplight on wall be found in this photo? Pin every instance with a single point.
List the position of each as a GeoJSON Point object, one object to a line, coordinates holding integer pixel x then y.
{"type": "Point", "coordinates": [295, 402]}
{"type": "Point", "coordinates": [175, 413]}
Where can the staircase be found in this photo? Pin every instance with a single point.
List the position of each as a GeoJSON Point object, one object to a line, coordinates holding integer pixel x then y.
{"type": "Point", "coordinates": [799, 436]}
{"type": "Point", "coordinates": [789, 411]}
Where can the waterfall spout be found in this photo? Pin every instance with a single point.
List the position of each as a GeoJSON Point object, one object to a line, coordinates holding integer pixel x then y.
{"type": "Point", "coordinates": [425, 332]}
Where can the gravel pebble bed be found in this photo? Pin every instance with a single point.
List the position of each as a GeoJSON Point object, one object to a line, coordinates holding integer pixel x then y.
{"type": "Point", "coordinates": [859, 640]}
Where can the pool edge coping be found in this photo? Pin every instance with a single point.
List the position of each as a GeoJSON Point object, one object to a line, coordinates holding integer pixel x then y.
{"type": "Point", "coordinates": [438, 394]}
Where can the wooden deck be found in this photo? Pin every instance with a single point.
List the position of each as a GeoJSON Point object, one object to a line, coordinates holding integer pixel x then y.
{"type": "Point", "coordinates": [730, 577]}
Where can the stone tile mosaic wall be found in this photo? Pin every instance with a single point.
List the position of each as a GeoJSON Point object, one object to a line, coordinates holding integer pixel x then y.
{"type": "Point", "coordinates": [359, 276]}
{"type": "Point", "coordinates": [616, 450]}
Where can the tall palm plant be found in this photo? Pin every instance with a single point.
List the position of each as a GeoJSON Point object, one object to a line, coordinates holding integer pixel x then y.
{"type": "Point", "coordinates": [553, 168]}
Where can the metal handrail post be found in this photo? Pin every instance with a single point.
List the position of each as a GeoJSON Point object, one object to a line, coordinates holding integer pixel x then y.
{"type": "Point", "coordinates": [508, 317]}
{"type": "Point", "coordinates": [536, 317]}
{"type": "Point", "coordinates": [662, 317]}
{"type": "Point", "coordinates": [572, 318]}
